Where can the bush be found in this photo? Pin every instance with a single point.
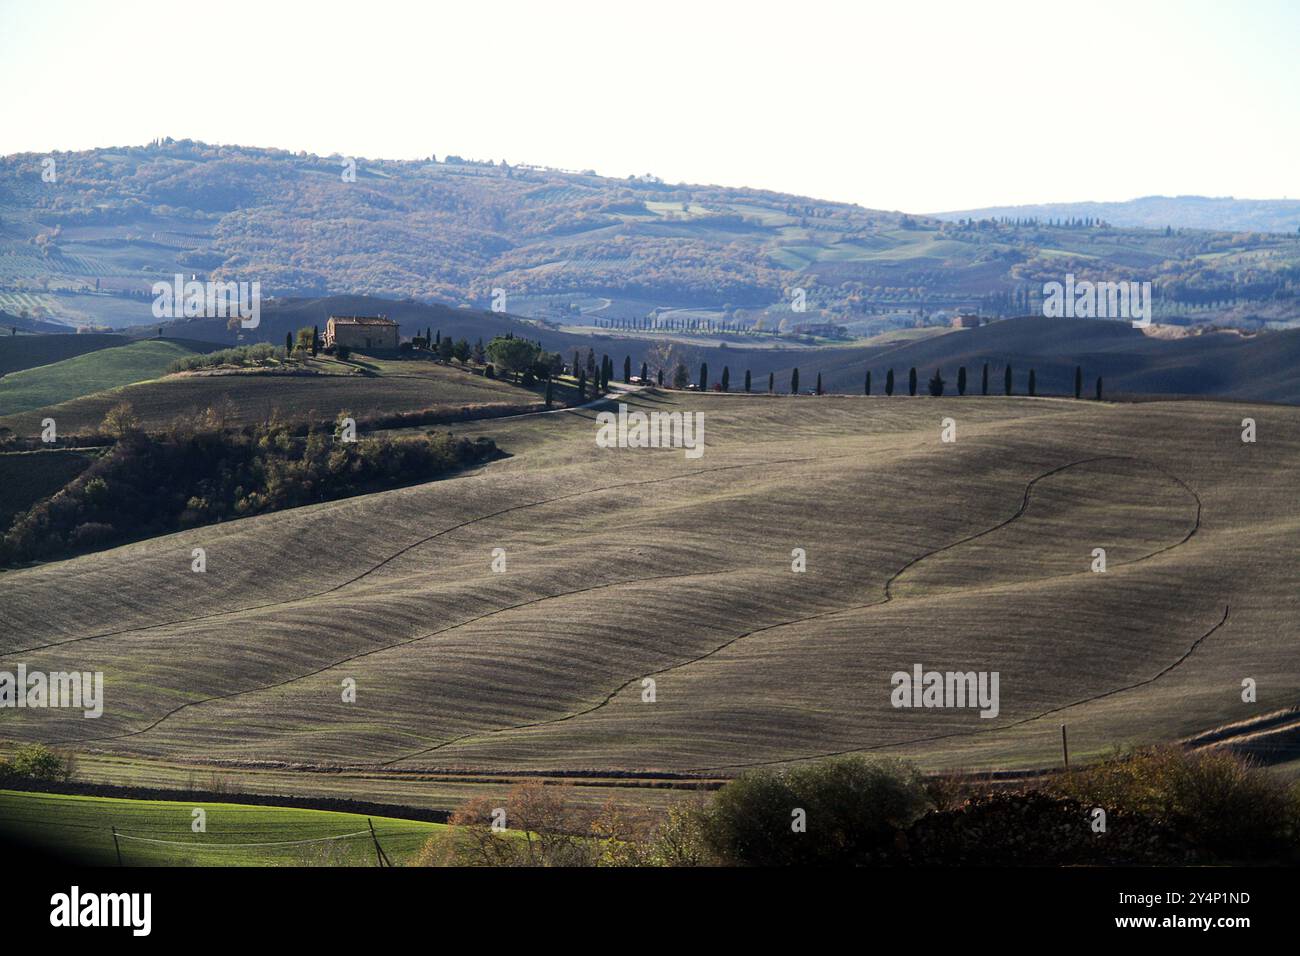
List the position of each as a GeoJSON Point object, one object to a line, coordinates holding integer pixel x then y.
{"type": "Point", "coordinates": [1229, 809]}
{"type": "Point", "coordinates": [38, 762]}
{"type": "Point", "coordinates": [263, 353]}
{"type": "Point", "coordinates": [1038, 829]}
{"type": "Point", "coordinates": [542, 830]}
{"type": "Point", "coordinates": [855, 809]}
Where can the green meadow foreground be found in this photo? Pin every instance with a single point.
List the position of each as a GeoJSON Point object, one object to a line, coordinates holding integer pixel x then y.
{"type": "Point", "coordinates": [648, 621]}
{"type": "Point", "coordinates": [160, 832]}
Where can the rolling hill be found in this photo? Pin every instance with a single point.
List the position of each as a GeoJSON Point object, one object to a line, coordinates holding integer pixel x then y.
{"type": "Point", "coordinates": [320, 391]}
{"type": "Point", "coordinates": [569, 247]}
{"type": "Point", "coordinates": [1221, 214]}
{"type": "Point", "coordinates": [28, 351]}
{"type": "Point", "coordinates": [95, 371]}
{"type": "Point", "coordinates": [629, 566]}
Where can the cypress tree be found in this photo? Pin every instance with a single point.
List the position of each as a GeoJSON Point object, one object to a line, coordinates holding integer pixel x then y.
{"type": "Point", "coordinates": [438, 340]}
{"type": "Point", "coordinates": [911, 381]}
{"type": "Point", "coordinates": [819, 383]}
{"type": "Point", "coordinates": [1099, 388]}
{"type": "Point", "coordinates": [794, 382]}
{"type": "Point", "coordinates": [866, 389]}
{"type": "Point", "coordinates": [576, 361]}
{"type": "Point", "coordinates": [1007, 380]}
{"type": "Point", "coordinates": [549, 383]}
{"type": "Point", "coordinates": [661, 378]}
{"type": "Point", "coordinates": [704, 376]}
{"type": "Point", "coordinates": [985, 386]}
{"type": "Point", "coordinates": [1078, 381]}
{"type": "Point", "coordinates": [961, 380]}
{"type": "Point", "coordinates": [645, 377]}
{"type": "Point", "coordinates": [582, 385]}
{"type": "Point", "coordinates": [746, 380]}
{"type": "Point", "coordinates": [726, 378]}
{"type": "Point", "coordinates": [315, 338]}
{"type": "Point", "coordinates": [771, 382]}
{"type": "Point", "coordinates": [627, 369]}
{"type": "Point", "coordinates": [288, 344]}
{"type": "Point", "coordinates": [889, 382]}
{"type": "Point", "coordinates": [1033, 383]}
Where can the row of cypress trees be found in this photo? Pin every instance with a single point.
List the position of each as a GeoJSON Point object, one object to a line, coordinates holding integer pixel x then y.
{"type": "Point", "coordinates": [937, 384]}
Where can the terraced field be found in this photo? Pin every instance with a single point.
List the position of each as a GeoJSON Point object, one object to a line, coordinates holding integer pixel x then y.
{"type": "Point", "coordinates": [624, 566]}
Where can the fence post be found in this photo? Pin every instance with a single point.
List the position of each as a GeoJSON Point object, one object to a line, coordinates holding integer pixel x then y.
{"type": "Point", "coordinates": [117, 846]}
{"type": "Point", "coordinates": [381, 857]}
{"type": "Point", "coordinates": [1065, 748]}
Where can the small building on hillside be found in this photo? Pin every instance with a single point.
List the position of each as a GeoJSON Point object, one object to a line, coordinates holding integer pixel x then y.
{"type": "Point", "coordinates": [364, 332]}
{"type": "Point", "coordinates": [966, 320]}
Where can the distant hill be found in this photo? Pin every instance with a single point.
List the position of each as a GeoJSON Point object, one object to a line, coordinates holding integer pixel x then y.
{"type": "Point", "coordinates": [1220, 214]}
{"type": "Point", "coordinates": [575, 249]}
{"type": "Point", "coordinates": [10, 323]}
{"type": "Point", "coordinates": [1216, 364]}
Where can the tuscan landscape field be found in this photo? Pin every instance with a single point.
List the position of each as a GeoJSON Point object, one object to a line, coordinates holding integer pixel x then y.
{"type": "Point", "coordinates": [624, 565]}
{"type": "Point", "coordinates": [853, 442]}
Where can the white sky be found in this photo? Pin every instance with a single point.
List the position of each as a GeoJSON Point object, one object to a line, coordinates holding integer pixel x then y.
{"type": "Point", "coordinates": [921, 106]}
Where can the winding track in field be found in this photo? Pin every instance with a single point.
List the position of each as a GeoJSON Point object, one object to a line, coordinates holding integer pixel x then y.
{"type": "Point", "coordinates": [388, 647]}
{"type": "Point", "coordinates": [889, 596]}
{"type": "Point", "coordinates": [410, 547]}
{"type": "Point", "coordinates": [988, 730]}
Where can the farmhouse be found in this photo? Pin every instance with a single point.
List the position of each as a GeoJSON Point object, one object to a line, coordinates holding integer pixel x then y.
{"type": "Point", "coordinates": [362, 332]}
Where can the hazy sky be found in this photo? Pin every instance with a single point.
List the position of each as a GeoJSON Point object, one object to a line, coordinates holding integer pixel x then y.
{"type": "Point", "coordinates": [898, 105]}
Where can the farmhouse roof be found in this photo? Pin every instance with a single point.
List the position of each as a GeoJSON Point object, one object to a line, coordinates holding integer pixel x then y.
{"type": "Point", "coordinates": [361, 320]}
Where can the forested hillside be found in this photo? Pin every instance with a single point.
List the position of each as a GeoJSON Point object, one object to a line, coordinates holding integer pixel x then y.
{"type": "Point", "coordinates": [573, 248]}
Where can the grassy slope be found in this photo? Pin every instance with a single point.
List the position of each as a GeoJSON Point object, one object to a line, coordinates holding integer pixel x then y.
{"type": "Point", "coordinates": [383, 388]}
{"type": "Point", "coordinates": [80, 828]}
{"type": "Point", "coordinates": [28, 351]}
{"type": "Point", "coordinates": [85, 374]}
{"type": "Point", "coordinates": [623, 564]}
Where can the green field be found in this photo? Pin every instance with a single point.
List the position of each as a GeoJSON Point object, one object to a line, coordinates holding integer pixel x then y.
{"type": "Point", "coordinates": [364, 388]}
{"type": "Point", "coordinates": [85, 374]}
{"type": "Point", "coordinates": [159, 832]}
{"type": "Point", "coordinates": [29, 351]}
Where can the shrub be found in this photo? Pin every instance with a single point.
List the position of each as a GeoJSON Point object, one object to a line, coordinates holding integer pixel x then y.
{"type": "Point", "coordinates": [679, 839]}
{"type": "Point", "coordinates": [121, 421]}
{"type": "Point", "coordinates": [1226, 807]}
{"type": "Point", "coordinates": [1035, 828]}
{"type": "Point", "coordinates": [38, 762]}
{"type": "Point", "coordinates": [855, 809]}
{"type": "Point", "coordinates": [542, 830]}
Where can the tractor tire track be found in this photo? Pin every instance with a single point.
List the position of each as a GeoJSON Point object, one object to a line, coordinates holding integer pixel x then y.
{"type": "Point", "coordinates": [989, 730]}
{"type": "Point", "coordinates": [389, 647]}
{"type": "Point", "coordinates": [408, 548]}
{"type": "Point", "coordinates": [888, 592]}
